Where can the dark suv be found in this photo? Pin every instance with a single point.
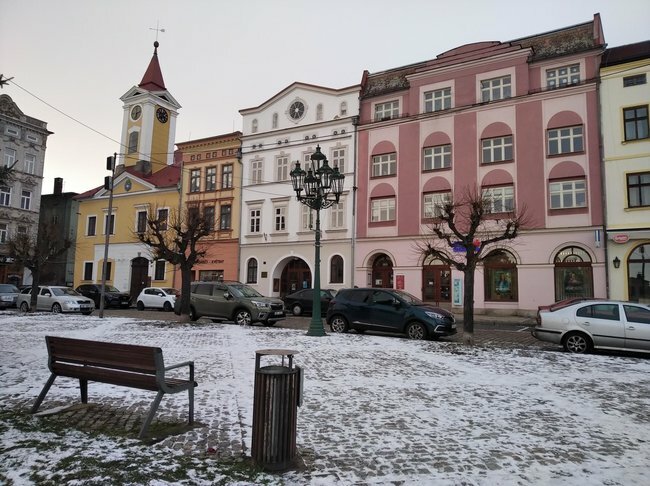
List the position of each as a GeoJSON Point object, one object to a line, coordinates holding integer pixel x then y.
{"type": "Point", "coordinates": [112, 296]}
{"type": "Point", "coordinates": [233, 301]}
{"type": "Point", "coordinates": [388, 310]}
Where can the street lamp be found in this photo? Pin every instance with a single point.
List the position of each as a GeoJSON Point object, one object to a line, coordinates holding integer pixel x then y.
{"type": "Point", "coordinates": [322, 186]}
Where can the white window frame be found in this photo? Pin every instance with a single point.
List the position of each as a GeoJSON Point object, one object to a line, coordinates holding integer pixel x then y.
{"type": "Point", "coordinates": [382, 209]}
{"type": "Point", "coordinates": [280, 218]}
{"type": "Point", "coordinates": [565, 140]}
{"type": "Point", "coordinates": [562, 76]}
{"type": "Point", "coordinates": [436, 157]}
{"type": "Point", "coordinates": [384, 165]}
{"type": "Point", "coordinates": [26, 200]}
{"type": "Point", "coordinates": [568, 194]}
{"type": "Point", "coordinates": [227, 176]}
{"type": "Point", "coordinates": [499, 199]}
{"type": "Point", "coordinates": [32, 138]}
{"type": "Point", "coordinates": [305, 218]}
{"type": "Point", "coordinates": [257, 171]}
{"type": "Point", "coordinates": [255, 220]}
{"type": "Point", "coordinates": [282, 168]}
{"type": "Point", "coordinates": [338, 158]}
{"type": "Point", "coordinates": [211, 178]}
{"type": "Point", "coordinates": [499, 88]}
{"type": "Point", "coordinates": [387, 110]}
{"type": "Point", "coordinates": [5, 196]}
{"type": "Point", "coordinates": [9, 156]}
{"type": "Point", "coordinates": [12, 131]}
{"type": "Point", "coordinates": [437, 100]}
{"type": "Point", "coordinates": [497, 149]}
{"type": "Point", "coordinates": [30, 163]}
{"type": "Point", "coordinates": [432, 203]}
{"type": "Point", "coordinates": [4, 232]}
{"type": "Point", "coordinates": [337, 215]}
{"type": "Point", "coordinates": [195, 180]}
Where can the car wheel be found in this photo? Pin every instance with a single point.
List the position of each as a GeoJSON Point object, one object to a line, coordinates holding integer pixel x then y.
{"type": "Point", "coordinates": [339, 324]}
{"type": "Point", "coordinates": [167, 307]}
{"type": "Point", "coordinates": [140, 305]}
{"type": "Point", "coordinates": [577, 342]}
{"type": "Point", "coordinates": [416, 330]}
{"type": "Point", "coordinates": [296, 309]}
{"type": "Point", "coordinates": [193, 315]}
{"type": "Point", "coordinates": [24, 307]}
{"type": "Point", "coordinates": [56, 308]}
{"type": "Point", "coordinates": [243, 318]}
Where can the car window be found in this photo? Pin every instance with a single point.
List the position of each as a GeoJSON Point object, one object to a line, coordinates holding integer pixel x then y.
{"type": "Point", "coordinates": [600, 311]}
{"type": "Point", "coordinates": [203, 289]}
{"type": "Point", "coordinates": [64, 291]}
{"type": "Point", "coordinates": [355, 295]}
{"type": "Point", "coordinates": [241, 290]}
{"type": "Point", "coordinates": [110, 288]}
{"type": "Point", "coordinates": [8, 288]}
{"type": "Point", "coordinates": [150, 291]}
{"type": "Point", "coordinates": [171, 291]}
{"type": "Point", "coordinates": [408, 298]}
{"type": "Point", "coordinates": [637, 314]}
{"type": "Point", "coordinates": [382, 298]}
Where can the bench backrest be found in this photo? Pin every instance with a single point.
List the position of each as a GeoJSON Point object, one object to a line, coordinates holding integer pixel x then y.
{"type": "Point", "coordinates": [127, 357]}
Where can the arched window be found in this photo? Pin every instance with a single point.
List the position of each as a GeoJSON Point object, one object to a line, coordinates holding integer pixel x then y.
{"type": "Point", "coordinates": [133, 142]}
{"type": "Point", "coordinates": [573, 274]}
{"type": "Point", "coordinates": [336, 269]}
{"type": "Point", "coordinates": [638, 271]}
{"type": "Point", "coordinates": [319, 111]}
{"type": "Point", "coordinates": [382, 272]}
{"type": "Point", "coordinates": [275, 120]}
{"type": "Point", "coordinates": [500, 276]}
{"type": "Point", "coordinates": [254, 126]}
{"type": "Point", "coordinates": [251, 271]}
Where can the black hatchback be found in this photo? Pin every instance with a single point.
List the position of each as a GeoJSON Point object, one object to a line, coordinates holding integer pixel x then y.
{"type": "Point", "coordinates": [301, 302]}
{"type": "Point", "coordinates": [112, 296]}
{"type": "Point", "coordinates": [388, 310]}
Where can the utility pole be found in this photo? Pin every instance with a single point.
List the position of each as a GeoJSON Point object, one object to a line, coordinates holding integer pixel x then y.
{"type": "Point", "coordinates": [108, 184]}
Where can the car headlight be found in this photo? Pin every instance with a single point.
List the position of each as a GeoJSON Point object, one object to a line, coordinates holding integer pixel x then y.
{"type": "Point", "coordinates": [260, 304]}
{"type": "Point", "coordinates": [434, 315]}
{"type": "Point", "coordinates": [6, 298]}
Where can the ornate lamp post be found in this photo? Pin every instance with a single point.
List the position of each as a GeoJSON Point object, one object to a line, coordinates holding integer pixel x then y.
{"type": "Point", "coordinates": [322, 186]}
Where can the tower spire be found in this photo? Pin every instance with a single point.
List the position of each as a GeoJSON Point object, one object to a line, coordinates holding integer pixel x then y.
{"type": "Point", "coordinates": [153, 79]}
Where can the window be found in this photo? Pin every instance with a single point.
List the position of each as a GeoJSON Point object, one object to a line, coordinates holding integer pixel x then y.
{"type": "Point", "coordinates": [12, 131]}
{"type": "Point", "coordinates": [635, 80]}
{"type": "Point", "coordinates": [251, 271]}
{"type": "Point", "coordinates": [636, 314]}
{"type": "Point", "coordinates": [338, 159]}
{"type": "Point", "coordinates": [193, 214]}
{"type": "Point", "coordinates": [133, 142]}
{"type": "Point", "coordinates": [497, 149]}
{"type": "Point", "coordinates": [568, 194]}
{"type": "Point", "coordinates": [32, 138]}
{"type": "Point", "coordinates": [274, 122]}
{"type": "Point", "coordinates": [638, 189]}
{"type": "Point", "coordinates": [255, 219]}
{"type": "Point", "coordinates": [433, 204]}
{"type": "Point", "coordinates": [141, 224]}
{"type": "Point", "coordinates": [563, 76]}
{"type": "Point", "coordinates": [600, 311]}
{"type": "Point", "coordinates": [499, 199]}
{"type": "Point", "coordinates": [437, 100]}
{"type": "Point", "coordinates": [256, 172]}
{"type": "Point", "coordinates": [208, 216]}
{"type": "Point", "coordinates": [636, 122]}
{"type": "Point", "coordinates": [226, 176]}
{"type": "Point", "coordinates": [319, 111]}
{"type": "Point", "coordinates": [337, 216]}
{"type": "Point", "coordinates": [336, 269]}
{"type": "Point", "coordinates": [500, 276]}
{"type": "Point", "coordinates": [109, 266]}
{"type": "Point", "coordinates": [573, 274]}
{"type": "Point", "coordinates": [254, 126]}
{"type": "Point", "coordinates": [210, 178]}
{"type": "Point", "coordinates": [225, 215]}
{"type": "Point", "coordinates": [30, 163]}
{"type": "Point", "coordinates": [386, 111]}
{"type": "Point", "coordinates": [210, 276]}
{"type": "Point", "coordinates": [384, 165]}
{"type": "Point", "coordinates": [21, 230]}
{"type": "Point", "coordinates": [88, 270]}
{"type": "Point", "coordinates": [159, 271]}
{"type": "Point", "coordinates": [282, 169]}
{"type": "Point", "coordinates": [496, 89]}
{"type": "Point", "coordinates": [344, 108]}
{"type": "Point", "coordinates": [25, 200]}
{"type": "Point", "coordinates": [382, 210]}
{"type": "Point", "coordinates": [565, 140]}
{"type": "Point", "coordinates": [163, 214]}
{"type": "Point", "coordinates": [91, 226]}
{"type": "Point", "coordinates": [3, 233]}
{"type": "Point", "coordinates": [112, 225]}
{"type": "Point", "coordinates": [438, 157]}
{"type": "Point", "coordinates": [637, 269]}
{"type": "Point", "coordinates": [305, 218]}
{"type": "Point", "coordinates": [5, 196]}
{"type": "Point", "coordinates": [195, 180]}
{"type": "Point", "coordinates": [10, 157]}
{"type": "Point", "coordinates": [280, 218]}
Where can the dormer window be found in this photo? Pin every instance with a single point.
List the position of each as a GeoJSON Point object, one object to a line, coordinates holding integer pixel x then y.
{"type": "Point", "coordinates": [563, 76]}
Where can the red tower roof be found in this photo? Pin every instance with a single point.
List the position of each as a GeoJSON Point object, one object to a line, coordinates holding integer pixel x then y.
{"type": "Point", "coordinates": [153, 79]}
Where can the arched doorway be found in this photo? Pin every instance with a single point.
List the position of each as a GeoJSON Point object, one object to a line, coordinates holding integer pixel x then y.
{"type": "Point", "coordinates": [573, 274]}
{"type": "Point", "coordinates": [295, 276]}
{"type": "Point", "coordinates": [382, 272]}
{"type": "Point", "coordinates": [139, 276]}
{"type": "Point", "coordinates": [436, 282]}
{"type": "Point", "coordinates": [638, 271]}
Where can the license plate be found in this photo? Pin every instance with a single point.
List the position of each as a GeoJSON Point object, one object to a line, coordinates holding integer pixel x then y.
{"type": "Point", "coordinates": [278, 313]}
{"type": "Point", "coordinates": [453, 326]}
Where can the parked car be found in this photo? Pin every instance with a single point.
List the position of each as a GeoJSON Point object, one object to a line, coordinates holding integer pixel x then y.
{"type": "Point", "coordinates": [583, 325]}
{"type": "Point", "coordinates": [388, 310]}
{"type": "Point", "coordinates": [157, 298]}
{"type": "Point", "coordinates": [302, 301]}
{"type": "Point", "coordinates": [112, 296]}
{"type": "Point", "coordinates": [57, 299]}
{"type": "Point", "coordinates": [8, 295]}
{"type": "Point", "coordinates": [233, 301]}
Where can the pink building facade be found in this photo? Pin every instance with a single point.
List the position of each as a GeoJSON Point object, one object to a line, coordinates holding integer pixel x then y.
{"type": "Point", "coordinates": [516, 120]}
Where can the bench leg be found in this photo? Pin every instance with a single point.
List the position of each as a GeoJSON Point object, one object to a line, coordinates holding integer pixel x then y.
{"type": "Point", "coordinates": [190, 392]}
{"type": "Point", "coordinates": [44, 391]}
{"type": "Point", "coordinates": [152, 412]}
{"type": "Point", "coordinates": [83, 387]}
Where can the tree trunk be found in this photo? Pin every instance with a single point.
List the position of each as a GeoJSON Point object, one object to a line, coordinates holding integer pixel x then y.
{"type": "Point", "coordinates": [468, 305]}
{"type": "Point", "coordinates": [33, 299]}
{"type": "Point", "coordinates": [186, 280]}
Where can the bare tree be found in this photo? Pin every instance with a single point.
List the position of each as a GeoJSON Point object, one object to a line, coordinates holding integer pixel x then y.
{"type": "Point", "coordinates": [36, 251]}
{"type": "Point", "coordinates": [464, 227]}
{"type": "Point", "coordinates": [177, 240]}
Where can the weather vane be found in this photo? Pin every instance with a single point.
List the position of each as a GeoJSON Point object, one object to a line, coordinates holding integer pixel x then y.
{"type": "Point", "coordinates": [157, 29]}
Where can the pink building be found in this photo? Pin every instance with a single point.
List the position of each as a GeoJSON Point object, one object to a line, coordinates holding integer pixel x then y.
{"type": "Point", "coordinates": [517, 120]}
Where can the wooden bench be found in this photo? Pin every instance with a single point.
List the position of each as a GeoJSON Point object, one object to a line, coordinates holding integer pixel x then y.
{"type": "Point", "coordinates": [128, 365]}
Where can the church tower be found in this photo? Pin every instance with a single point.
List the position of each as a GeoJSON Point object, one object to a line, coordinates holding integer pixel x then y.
{"type": "Point", "coordinates": [149, 122]}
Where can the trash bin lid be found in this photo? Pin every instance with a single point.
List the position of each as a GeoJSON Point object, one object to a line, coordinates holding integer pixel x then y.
{"type": "Point", "coordinates": [277, 352]}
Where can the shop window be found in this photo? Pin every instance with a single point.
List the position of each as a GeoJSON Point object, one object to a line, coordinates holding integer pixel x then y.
{"type": "Point", "coordinates": [500, 277]}
{"type": "Point", "coordinates": [573, 274]}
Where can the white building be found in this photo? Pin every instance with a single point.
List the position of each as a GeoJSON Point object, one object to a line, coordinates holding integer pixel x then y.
{"type": "Point", "coordinates": [277, 231]}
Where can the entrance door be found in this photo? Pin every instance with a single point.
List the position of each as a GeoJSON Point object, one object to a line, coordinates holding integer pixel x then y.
{"type": "Point", "coordinates": [436, 283]}
{"type": "Point", "coordinates": [382, 272]}
{"type": "Point", "coordinates": [295, 276]}
{"type": "Point", "coordinates": [139, 276]}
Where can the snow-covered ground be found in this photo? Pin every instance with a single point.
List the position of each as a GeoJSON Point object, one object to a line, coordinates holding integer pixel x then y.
{"type": "Point", "coordinates": [376, 409]}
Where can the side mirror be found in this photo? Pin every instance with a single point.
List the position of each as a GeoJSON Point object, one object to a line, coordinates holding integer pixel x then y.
{"type": "Point", "coordinates": [226, 295]}
{"type": "Point", "coordinates": [47, 294]}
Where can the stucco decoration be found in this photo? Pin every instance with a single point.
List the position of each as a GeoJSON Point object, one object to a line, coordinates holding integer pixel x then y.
{"type": "Point", "coordinates": [497, 177]}
{"type": "Point", "coordinates": [564, 119]}
{"type": "Point", "coordinates": [496, 129]}
{"type": "Point", "coordinates": [383, 190]}
{"type": "Point", "coordinates": [436, 138]}
{"type": "Point", "coordinates": [383, 147]}
{"type": "Point", "coordinates": [566, 170]}
{"type": "Point", "coordinates": [9, 108]}
{"type": "Point", "coordinates": [566, 41]}
{"type": "Point", "coordinates": [436, 184]}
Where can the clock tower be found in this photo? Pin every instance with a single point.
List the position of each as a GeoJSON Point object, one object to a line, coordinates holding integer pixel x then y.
{"type": "Point", "coordinates": [149, 122]}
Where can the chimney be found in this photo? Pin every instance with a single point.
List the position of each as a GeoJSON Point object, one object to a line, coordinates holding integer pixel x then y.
{"type": "Point", "coordinates": [58, 186]}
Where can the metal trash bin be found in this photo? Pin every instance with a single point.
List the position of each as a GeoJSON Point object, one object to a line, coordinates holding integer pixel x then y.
{"type": "Point", "coordinates": [277, 394]}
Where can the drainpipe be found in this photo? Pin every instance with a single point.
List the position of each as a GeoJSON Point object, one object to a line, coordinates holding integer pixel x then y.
{"type": "Point", "coordinates": [603, 185]}
{"type": "Point", "coordinates": [355, 123]}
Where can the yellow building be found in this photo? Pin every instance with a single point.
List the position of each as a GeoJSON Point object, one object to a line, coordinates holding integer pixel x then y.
{"type": "Point", "coordinates": [146, 179]}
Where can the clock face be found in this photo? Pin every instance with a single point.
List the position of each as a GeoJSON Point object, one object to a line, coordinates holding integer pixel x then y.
{"type": "Point", "coordinates": [162, 115]}
{"type": "Point", "coordinates": [297, 110]}
{"type": "Point", "coordinates": [136, 111]}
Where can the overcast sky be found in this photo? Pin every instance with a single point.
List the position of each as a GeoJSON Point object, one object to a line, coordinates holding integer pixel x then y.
{"type": "Point", "coordinates": [73, 59]}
